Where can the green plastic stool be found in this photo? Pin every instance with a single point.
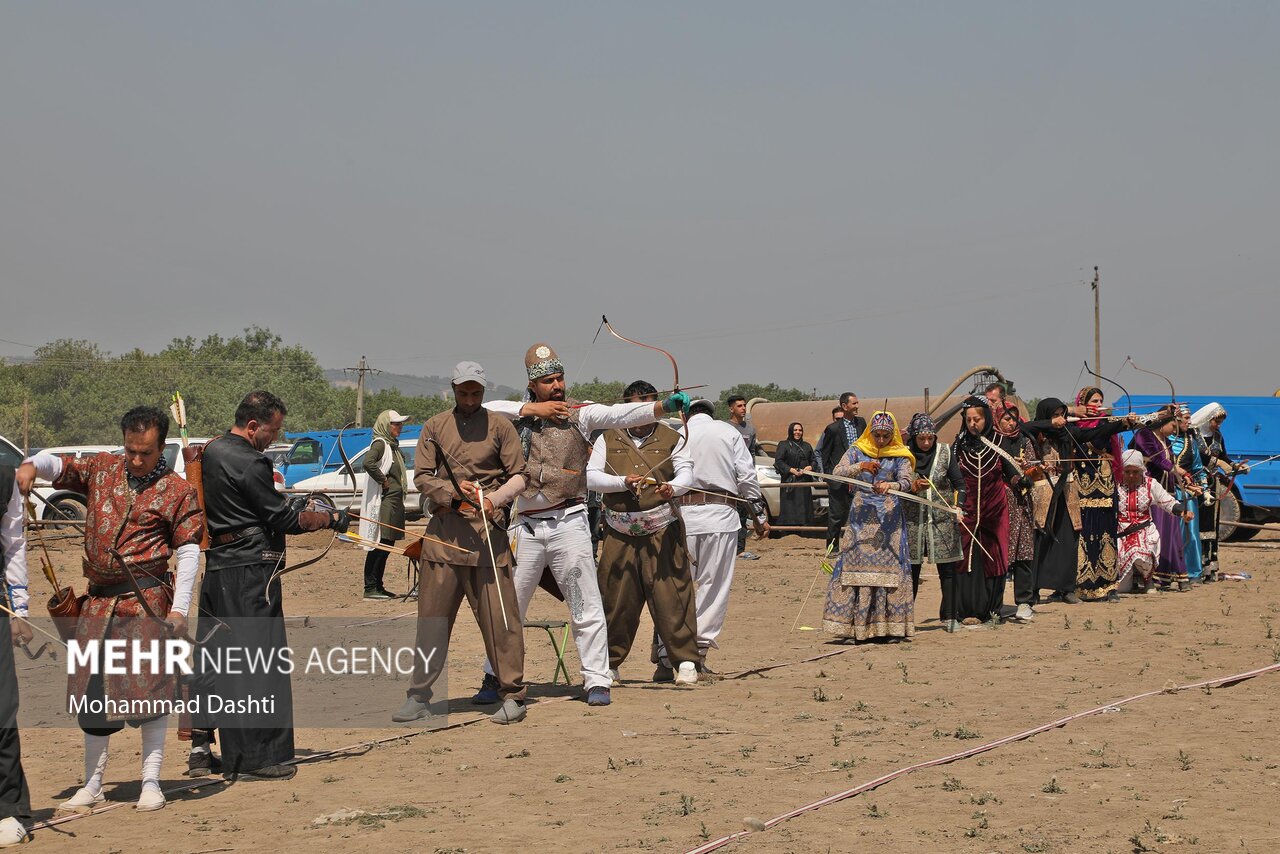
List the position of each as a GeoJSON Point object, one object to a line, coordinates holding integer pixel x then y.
{"type": "Point", "coordinates": [558, 646]}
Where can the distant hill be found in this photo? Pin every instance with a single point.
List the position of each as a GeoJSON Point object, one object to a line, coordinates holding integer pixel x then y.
{"type": "Point", "coordinates": [407, 384]}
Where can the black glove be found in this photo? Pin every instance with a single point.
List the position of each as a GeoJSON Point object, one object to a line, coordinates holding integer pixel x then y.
{"type": "Point", "coordinates": [298, 503]}
{"type": "Point", "coordinates": [340, 521]}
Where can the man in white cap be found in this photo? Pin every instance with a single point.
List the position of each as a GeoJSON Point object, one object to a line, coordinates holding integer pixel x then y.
{"type": "Point", "coordinates": [468, 468]}
{"type": "Point", "coordinates": [15, 799]}
{"type": "Point", "coordinates": [552, 523]}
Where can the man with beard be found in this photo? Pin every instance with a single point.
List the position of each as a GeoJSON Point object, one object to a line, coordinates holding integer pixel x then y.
{"type": "Point", "coordinates": [469, 553]}
{"type": "Point", "coordinates": [645, 559]}
{"type": "Point", "coordinates": [248, 520]}
{"type": "Point", "coordinates": [552, 522]}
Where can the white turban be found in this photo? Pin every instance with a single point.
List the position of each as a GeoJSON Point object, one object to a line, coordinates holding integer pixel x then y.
{"type": "Point", "coordinates": [1205, 414]}
{"type": "Point", "coordinates": [1133, 459]}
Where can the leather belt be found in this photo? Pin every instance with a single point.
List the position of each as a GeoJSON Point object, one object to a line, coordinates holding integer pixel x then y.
{"type": "Point", "coordinates": [694, 498]}
{"type": "Point", "coordinates": [563, 505]}
{"type": "Point", "coordinates": [237, 535]}
{"type": "Point", "coordinates": [145, 582]}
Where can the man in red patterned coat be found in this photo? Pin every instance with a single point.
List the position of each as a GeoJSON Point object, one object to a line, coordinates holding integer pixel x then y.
{"type": "Point", "coordinates": [140, 515]}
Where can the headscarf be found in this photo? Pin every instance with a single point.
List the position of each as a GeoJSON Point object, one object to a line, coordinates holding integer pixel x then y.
{"type": "Point", "coordinates": [884, 421]}
{"type": "Point", "coordinates": [1009, 407]}
{"type": "Point", "coordinates": [919, 425]}
{"type": "Point", "coordinates": [1114, 442]}
{"type": "Point", "coordinates": [1133, 459]}
{"type": "Point", "coordinates": [382, 430]}
{"type": "Point", "coordinates": [799, 443]}
{"type": "Point", "coordinates": [1207, 413]}
{"type": "Point", "coordinates": [966, 441]}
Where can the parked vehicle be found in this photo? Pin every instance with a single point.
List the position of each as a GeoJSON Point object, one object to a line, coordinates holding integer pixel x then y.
{"type": "Point", "coordinates": [1252, 433]}
{"type": "Point", "coordinates": [316, 452]}
{"type": "Point", "coordinates": [767, 474]}
{"type": "Point", "coordinates": [335, 486]}
{"type": "Point", "coordinates": [53, 503]}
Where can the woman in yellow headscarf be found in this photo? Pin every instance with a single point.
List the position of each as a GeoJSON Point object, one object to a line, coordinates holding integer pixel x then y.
{"type": "Point", "coordinates": [869, 596]}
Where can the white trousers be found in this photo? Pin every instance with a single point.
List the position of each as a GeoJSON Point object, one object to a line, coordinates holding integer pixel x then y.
{"type": "Point", "coordinates": [713, 556]}
{"type": "Point", "coordinates": [563, 542]}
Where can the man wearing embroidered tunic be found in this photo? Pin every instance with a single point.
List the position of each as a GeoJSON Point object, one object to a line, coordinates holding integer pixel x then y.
{"type": "Point", "coordinates": [139, 514]}
{"type": "Point", "coordinates": [644, 558]}
{"type": "Point", "coordinates": [552, 526]}
{"type": "Point", "coordinates": [468, 442]}
{"type": "Point", "coordinates": [248, 521]}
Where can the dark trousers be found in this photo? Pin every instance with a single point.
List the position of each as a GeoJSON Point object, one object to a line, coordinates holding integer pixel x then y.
{"type": "Point", "coordinates": [238, 596]}
{"type": "Point", "coordinates": [915, 579]}
{"type": "Point", "coordinates": [375, 566]}
{"type": "Point", "coordinates": [15, 800]}
{"type": "Point", "coordinates": [654, 571]}
{"type": "Point", "coordinates": [1025, 591]}
{"type": "Point", "coordinates": [838, 500]}
{"type": "Point", "coordinates": [742, 527]}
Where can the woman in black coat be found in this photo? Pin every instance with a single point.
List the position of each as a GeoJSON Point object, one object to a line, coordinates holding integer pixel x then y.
{"type": "Point", "coordinates": [793, 460]}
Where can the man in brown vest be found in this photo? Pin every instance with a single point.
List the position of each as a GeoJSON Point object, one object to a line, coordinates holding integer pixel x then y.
{"type": "Point", "coordinates": [552, 522]}
{"type": "Point", "coordinates": [644, 559]}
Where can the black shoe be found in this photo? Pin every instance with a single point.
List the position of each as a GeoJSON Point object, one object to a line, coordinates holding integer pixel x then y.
{"type": "Point", "coordinates": [375, 593]}
{"type": "Point", "coordinates": [1071, 598]}
{"type": "Point", "coordinates": [268, 772]}
{"type": "Point", "coordinates": [663, 673]}
{"type": "Point", "coordinates": [203, 762]}
{"type": "Point", "coordinates": [1113, 596]}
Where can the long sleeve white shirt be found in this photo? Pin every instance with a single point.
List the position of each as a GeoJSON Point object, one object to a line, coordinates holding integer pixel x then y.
{"type": "Point", "coordinates": [600, 480]}
{"type": "Point", "coordinates": [590, 418]}
{"type": "Point", "coordinates": [721, 463]}
{"type": "Point", "coordinates": [15, 556]}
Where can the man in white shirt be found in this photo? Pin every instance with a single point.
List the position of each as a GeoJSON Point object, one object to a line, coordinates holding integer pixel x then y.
{"type": "Point", "coordinates": [551, 529]}
{"type": "Point", "coordinates": [15, 800]}
{"type": "Point", "coordinates": [724, 476]}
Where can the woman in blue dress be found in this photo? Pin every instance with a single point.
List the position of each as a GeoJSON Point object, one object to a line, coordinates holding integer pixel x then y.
{"type": "Point", "coordinates": [869, 596]}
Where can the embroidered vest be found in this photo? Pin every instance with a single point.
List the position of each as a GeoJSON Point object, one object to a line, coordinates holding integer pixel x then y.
{"type": "Point", "coordinates": [622, 458]}
{"type": "Point", "coordinates": [557, 461]}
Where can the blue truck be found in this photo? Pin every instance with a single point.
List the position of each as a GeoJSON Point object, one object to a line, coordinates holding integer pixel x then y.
{"type": "Point", "coordinates": [316, 451]}
{"type": "Point", "coordinates": [1252, 434]}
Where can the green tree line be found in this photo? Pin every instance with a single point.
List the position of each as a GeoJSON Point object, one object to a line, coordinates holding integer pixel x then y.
{"type": "Point", "coordinates": [75, 393]}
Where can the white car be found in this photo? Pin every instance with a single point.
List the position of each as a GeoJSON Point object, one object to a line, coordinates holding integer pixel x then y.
{"type": "Point", "coordinates": [335, 486]}
{"type": "Point", "coordinates": [767, 474]}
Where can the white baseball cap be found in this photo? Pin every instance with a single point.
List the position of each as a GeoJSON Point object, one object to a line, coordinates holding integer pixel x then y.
{"type": "Point", "coordinates": [469, 372]}
{"type": "Point", "coordinates": [396, 417]}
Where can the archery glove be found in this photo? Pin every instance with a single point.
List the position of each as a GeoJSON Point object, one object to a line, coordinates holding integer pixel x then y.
{"type": "Point", "coordinates": [341, 521]}
{"type": "Point", "coordinates": [677, 402]}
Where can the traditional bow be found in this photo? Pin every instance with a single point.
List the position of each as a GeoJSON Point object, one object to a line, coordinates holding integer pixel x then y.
{"type": "Point", "coordinates": [1128, 399]}
{"type": "Point", "coordinates": [1173, 395]}
{"type": "Point", "coordinates": [675, 385]}
{"type": "Point", "coordinates": [355, 490]}
{"type": "Point", "coordinates": [147, 609]}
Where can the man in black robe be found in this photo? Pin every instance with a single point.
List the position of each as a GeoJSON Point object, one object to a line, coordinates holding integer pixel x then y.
{"type": "Point", "coordinates": [835, 441]}
{"type": "Point", "coordinates": [248, 520]}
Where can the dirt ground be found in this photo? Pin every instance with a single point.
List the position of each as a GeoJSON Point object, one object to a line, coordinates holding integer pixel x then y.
{"type": "Point", "coordinates": [668, 768]}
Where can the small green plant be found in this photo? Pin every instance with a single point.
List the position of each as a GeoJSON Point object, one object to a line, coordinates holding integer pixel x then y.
{"type": "Point", "coordinates": [1184, 760]}
{"type": "Point", "coordinates": [963, 732]}
{"type": "Point", "coordinates": [686, 805]}
{"type": "Point", "coordinates": [984, 799]}
{"type": "Point", "coordinates": [1052, 787]}
{"type": "Point", "coordinates": [1088, 625]}
{"type": "Point", "coordinates": [902, 665]}
{"type": "Point", "coordinates": [563, 778]}
{"type": "Point", "coordinates": [819, 695]}
{"type": "Point", "coordinates": [1066, 621]}
{"type": "Point", "coordinates": [704, 834]}
{"type": "Point", "coordinates": [523, 754]}
{"type": "Point", "coordinates": [873, 811]}
{"type": "Point", "coordinates": [951, 784]}
{"type": "Point", "coordinates": [746, 750]}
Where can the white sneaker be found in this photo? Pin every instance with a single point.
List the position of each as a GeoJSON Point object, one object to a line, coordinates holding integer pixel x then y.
{"type": "Point", "coordinates": [150, 800]}
{"type": "Point", "coordinates": [12, 833]}
{"type": "Point", "coordinates": [687, 674]}
{"type": "Point", "coordinates": [613, 677]}
{"type": "Point", "coordinates": [82, 802]}
{"type": "Point", "coordinates": [1024, 612]}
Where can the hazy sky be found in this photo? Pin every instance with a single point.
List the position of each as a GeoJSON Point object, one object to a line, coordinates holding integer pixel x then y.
{"type": "Point", "coordinates": [832, 195]}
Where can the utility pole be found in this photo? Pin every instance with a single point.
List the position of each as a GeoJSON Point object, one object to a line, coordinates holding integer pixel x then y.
{"type": "Point", "coordinates": [360, 370]}
{"type": "Point", "coordinates": [26, 425]}
{"type": "Point", "coordinates": [1097, 324]}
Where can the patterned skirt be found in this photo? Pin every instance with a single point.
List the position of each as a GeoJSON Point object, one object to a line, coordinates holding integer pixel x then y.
{"type": "Point", "coordinates": [1096, 573]}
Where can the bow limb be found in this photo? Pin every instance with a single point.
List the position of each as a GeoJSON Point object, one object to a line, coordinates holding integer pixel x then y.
{"type": "Point", "coordinates": [675, 385]}
{"type": "Point", "coordinates": [1128, 399]}
{"type": "Point", "coordinates": [1173, 395]}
